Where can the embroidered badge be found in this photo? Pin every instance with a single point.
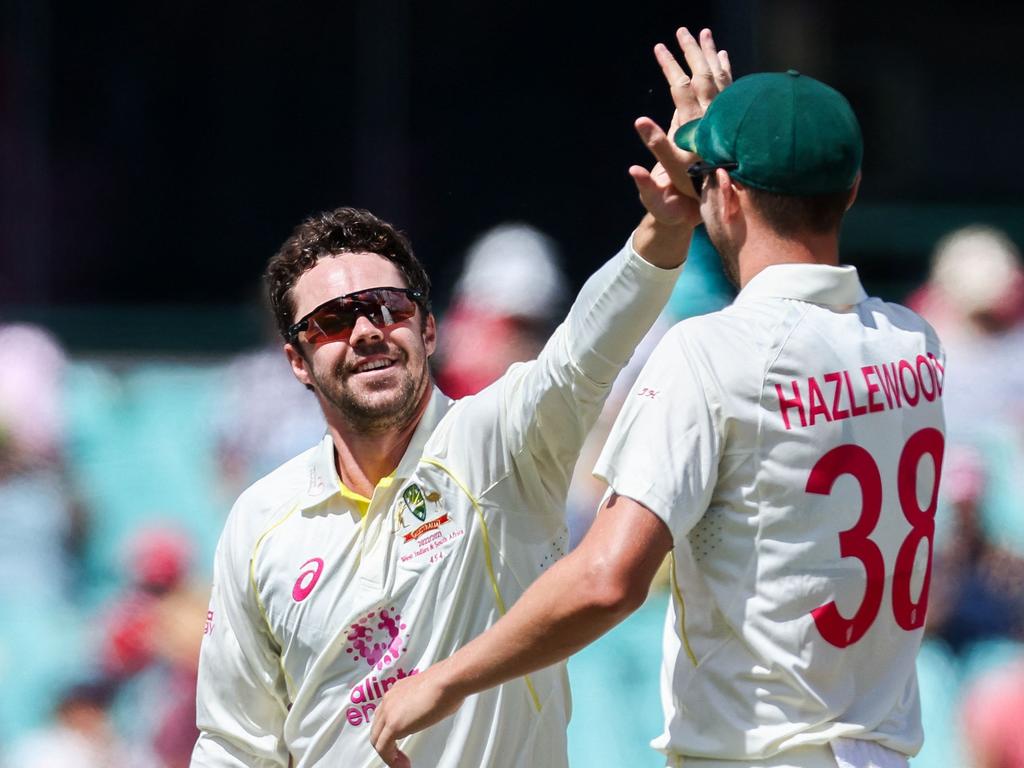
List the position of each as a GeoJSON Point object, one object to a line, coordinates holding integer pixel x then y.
{"type": "Point", "coordinates": [413, 498]}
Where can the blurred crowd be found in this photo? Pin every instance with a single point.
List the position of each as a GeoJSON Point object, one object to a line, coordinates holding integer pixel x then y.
{"type": "Point", "coordinates": [115, 478]}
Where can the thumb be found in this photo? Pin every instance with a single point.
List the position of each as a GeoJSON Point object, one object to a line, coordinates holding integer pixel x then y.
{"type": "Point", "coordinates": [400, 759]}
{"type": "Point", "coordinates": [393, 756]}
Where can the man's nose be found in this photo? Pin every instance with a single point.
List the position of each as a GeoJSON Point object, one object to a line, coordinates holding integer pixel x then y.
{"type": "Point", "coordinates": [364, 331]}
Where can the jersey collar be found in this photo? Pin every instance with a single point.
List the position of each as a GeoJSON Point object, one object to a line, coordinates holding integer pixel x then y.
{"type": "Point", "coordinates": [814, 283]}
{"type": "Point", "coordinates": [323, 473]}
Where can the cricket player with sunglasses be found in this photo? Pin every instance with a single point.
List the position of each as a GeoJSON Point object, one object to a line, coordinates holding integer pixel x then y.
{"type": "Point", "coordinates": [417, 520]}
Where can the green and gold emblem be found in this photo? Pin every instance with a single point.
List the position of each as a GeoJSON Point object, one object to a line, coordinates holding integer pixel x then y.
{"type": "Point", "coordinates": [413, 498]}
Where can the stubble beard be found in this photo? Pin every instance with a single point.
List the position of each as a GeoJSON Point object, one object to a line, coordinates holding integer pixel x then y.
{"type": "Point", "coordinates": [730, 265]}
{"type": "Point", "coordinates": [727, 251]}
{"type": "Point", "coordinates": [375, 411]}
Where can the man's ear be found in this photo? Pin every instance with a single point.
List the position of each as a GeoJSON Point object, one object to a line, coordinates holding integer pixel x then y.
{"type": "Point", "coordinates": [430, 334]}
{"type": "Point", "coordinates": [853, 191]}
{"type": "Point", "coordinates": [730, 193]}
{"type": "Point", "coordinates": [300, 366]}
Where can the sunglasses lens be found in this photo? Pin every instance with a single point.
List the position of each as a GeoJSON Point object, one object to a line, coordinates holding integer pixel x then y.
{"type": "Point", "coordinates": [398, 304]}
{"type": "Point", "coordinates": [333, 322]}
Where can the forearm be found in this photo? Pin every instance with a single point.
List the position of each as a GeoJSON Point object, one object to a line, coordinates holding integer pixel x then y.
{"type": "Point", "coordinates": [620, 302]}
{"type": "Point", "coordinates": [552, 620]}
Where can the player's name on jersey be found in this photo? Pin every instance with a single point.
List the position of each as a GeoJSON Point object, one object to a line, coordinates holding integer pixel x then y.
{"type": "Point", "coordinates": [841, 395]}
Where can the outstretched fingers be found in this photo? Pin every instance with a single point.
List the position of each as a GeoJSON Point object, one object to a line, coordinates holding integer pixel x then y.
{"type": "Point", "coordinates": [722, 73]}
{"type": "Point", "coordinates": [702, 59]}
{"type": "Point", "coordinates": [704, 85]}
{"type": "Point", "coordinates": [679, 84]}
{"type": "Point", "coordinates": [723, 60]}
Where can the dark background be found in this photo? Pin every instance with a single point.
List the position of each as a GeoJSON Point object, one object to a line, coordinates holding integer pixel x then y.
{"type": "Point", "coordinates": [153, 155]}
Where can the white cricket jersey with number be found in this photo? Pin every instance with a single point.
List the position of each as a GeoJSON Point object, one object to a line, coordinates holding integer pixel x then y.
{"type": "Point", "coordinates": [792, 444]}
{"type": "Point", "coordinates": [317, 610]}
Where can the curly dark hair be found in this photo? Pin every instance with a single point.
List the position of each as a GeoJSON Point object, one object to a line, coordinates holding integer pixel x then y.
{"type": "Point", "coordinates": [327, 234]}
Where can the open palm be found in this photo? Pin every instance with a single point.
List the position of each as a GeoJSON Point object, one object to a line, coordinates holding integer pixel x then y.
{"type": "Point", "coordinates": [665, 189]}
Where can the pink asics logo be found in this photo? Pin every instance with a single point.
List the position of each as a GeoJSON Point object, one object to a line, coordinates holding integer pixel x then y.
{"type": "Point", "coordinates": [307, 579]}
{"type": "Point", "coordinates": [378, 638]}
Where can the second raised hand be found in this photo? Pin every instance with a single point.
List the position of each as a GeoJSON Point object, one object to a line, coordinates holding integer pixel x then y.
{"type": "Point", "coordinates": [691, 95]}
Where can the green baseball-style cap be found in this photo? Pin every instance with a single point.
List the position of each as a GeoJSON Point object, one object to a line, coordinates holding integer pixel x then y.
{"type": "Point", "coordinates": [789, 133]}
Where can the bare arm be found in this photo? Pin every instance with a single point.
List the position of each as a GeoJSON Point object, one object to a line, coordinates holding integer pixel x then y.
{"type": "Point", "coordinates": [583, 596]}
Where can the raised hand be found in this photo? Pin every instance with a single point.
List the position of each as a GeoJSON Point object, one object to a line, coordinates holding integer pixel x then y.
{"type": "Point", "coordinates": [665, 190]}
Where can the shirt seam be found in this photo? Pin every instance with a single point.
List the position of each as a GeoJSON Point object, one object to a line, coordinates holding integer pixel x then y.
{"type": "Point", "coordinates": [487, 544]}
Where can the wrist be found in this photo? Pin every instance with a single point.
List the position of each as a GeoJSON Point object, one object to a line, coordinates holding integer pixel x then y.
{"type": "Point", "coordinates": [661, 244]}
{"type": "Point", "coordinates": [448, 682]}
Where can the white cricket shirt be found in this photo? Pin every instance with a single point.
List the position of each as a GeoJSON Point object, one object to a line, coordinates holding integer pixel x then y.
{"type": "Point", "coordinates": [317, 609]}
{"type": "Point", "coordinates": [791, 443]}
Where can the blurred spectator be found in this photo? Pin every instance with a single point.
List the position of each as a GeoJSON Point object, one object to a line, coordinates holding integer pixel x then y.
{"type": "Point", "coordinates": [156, 565]}
{"type": "Point", "coordinates": [153, 633]}
{"type": "Point", "coordinates": [993, 710]}
{"type": "Point", "coordinates": [976, 285]}
{"type": "Point", "coordinates": [505, 305]}
{"type": "Point", "coordinates": [41, 523]}
{"type": "Point", "coordinates": [974, 298]}
{"type": "Point", "coordinates": [81, 735]}
{"type": "Point", "coordinates": [264, 418]}
{"type": "Point", "coordinates": [32, 366]}
{"type": "Point", "coordinates": [42, 529]}
{"type": "Point", "coordinates": [977, 592]}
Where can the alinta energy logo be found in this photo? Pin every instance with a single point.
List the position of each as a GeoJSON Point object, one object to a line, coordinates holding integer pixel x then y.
{"type": "Point", "coordinates": [378, 638]}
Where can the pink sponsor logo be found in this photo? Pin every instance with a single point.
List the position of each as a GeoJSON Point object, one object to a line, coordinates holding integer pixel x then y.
{"type": "Point", "coordinates": [365, 695]}
{"type": "Point", "coordinates": [208, 627]}
{"type": "Point", "coordinates": [378, 638]}
{"type": "Point", "coordinates": [307, 579]}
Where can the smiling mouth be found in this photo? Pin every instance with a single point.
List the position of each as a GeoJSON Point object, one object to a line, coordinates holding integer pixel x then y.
{"type": "Point", "coordinates": [375, 365]}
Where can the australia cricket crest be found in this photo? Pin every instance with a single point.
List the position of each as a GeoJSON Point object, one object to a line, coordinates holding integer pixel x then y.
{"type": "Point", "coordinates": [415, 502]}
{"type": "Point", "coordinates": [427, 532]}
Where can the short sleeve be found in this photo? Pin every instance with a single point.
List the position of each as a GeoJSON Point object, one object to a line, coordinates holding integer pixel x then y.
{"type": "Point", "coordinates": [663, 449]}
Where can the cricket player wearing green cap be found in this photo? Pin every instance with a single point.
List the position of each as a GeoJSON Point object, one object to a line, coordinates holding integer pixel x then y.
{"type": "Point", "coordinates": [785, 452]}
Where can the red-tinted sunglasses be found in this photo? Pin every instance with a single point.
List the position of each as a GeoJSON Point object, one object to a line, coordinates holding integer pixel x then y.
{"type": "Point", "coordinates": [334, 319]}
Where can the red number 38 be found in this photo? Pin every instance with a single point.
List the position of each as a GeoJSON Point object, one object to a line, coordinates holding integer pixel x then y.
{"type": "Point", "coordinates": [855, 542]}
